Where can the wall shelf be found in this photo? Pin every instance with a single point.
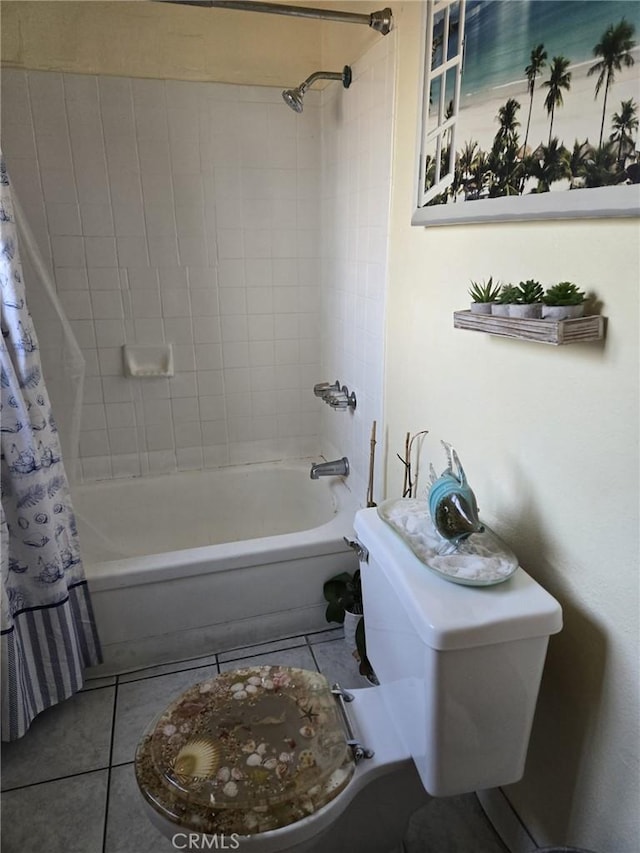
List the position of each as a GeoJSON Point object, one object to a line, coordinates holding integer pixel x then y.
{"type": "Point", "coordinates": [554, 332]}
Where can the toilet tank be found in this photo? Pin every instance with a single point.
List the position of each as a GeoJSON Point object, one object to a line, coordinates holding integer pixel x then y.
{"type": "Point", "coordinates": [459, 666]}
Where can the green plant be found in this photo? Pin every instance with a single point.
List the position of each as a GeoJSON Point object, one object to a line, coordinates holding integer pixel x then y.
{"type": "Point", "coordinates": [343, 593]}
{"type": "Point", "coordinates": [508, 295]}
{"type": "Point", "coordinates": [485, 292]}
{"type": "Point", "coordinates": [530, 291]}
{"type": "Point", "coordinates": [564, 293]}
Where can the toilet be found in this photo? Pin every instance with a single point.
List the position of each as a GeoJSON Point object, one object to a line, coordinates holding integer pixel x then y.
{"type": "Point", "coordinates": [273, 759]}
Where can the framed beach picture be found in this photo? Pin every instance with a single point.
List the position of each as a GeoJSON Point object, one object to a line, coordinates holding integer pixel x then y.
{"type": "Point", "coordinates": [530, 110]}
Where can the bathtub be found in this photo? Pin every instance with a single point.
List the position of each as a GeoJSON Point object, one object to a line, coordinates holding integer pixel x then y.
{"type": "Point", "coordinates": [188, 564]}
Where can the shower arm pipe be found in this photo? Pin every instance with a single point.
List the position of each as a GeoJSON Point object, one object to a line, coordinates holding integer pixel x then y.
{"type": "Point", "coordinates": [322, 75]}
{"type": "Point", "coordinates": [381, 22]}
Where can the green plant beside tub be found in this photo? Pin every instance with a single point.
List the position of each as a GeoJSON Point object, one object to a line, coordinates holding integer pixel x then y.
{"type": "Point", "coordinates": [483, 295]}
{"type": "Point", "coordinates": [343, 594]}
{"type": "Point", "coordinates": [508, 296]}
{"type": "Point", "coordinates": [563, 301]}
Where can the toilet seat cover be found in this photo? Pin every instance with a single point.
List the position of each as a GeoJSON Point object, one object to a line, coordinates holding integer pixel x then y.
{"type": "Point", "coordinates": [246, 751]}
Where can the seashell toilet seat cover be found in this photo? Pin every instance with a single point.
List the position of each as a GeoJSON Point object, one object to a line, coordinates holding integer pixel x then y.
{"type": "Point", "coordinates": [245, 752]}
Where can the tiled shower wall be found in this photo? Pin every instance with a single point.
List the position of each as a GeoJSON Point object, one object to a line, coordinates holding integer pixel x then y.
{"type": "Point", "coordinates": [357, 139]}
{"type": "Point", "coordinates": [186, 213]}
{"type": "Point", "coordinates": [210, 216]}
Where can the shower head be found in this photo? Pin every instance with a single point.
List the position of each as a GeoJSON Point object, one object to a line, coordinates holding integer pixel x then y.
{"type": "Point", "coordinates": [294, 97]}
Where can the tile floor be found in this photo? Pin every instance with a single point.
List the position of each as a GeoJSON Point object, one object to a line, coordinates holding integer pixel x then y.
{"type": "Point", "coordinates": [68, 785]}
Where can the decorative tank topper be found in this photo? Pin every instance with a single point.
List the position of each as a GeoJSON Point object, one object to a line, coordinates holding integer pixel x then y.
{"type": "Point", "coordinates": [452, 503]}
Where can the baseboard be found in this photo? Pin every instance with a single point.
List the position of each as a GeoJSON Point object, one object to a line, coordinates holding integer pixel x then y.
{"type": "Point", "coordinates": [505, 821]}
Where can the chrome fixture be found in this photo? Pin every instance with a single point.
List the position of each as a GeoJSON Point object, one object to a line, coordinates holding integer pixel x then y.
{"type": "Point", "coordinates": [337, 468]}
{"type": "Point", "coordinates": [358, 750]}
{"type": "Point", "coordinates": [336, 396]}
{"type": "Point", "coordinates": [293, 97]}
{"type": "Point", "coordinates": [381, 22]}
{"type": "Point", "coordinates": [356, 545]}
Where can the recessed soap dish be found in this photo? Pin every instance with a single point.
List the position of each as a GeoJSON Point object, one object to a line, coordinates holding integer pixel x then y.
{"type": "Point", "coordinates": [150, 361]}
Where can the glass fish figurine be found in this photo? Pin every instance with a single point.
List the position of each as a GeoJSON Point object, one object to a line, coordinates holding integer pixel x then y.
{"type": "Point", "coordinates": [452, 503]}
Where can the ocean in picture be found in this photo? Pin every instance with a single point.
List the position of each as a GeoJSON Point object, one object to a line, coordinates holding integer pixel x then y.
{"type": "Point", "coordinates": [499, 35]}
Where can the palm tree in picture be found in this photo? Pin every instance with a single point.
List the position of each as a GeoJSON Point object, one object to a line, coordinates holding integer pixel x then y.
{"type": "Point", "coordinates": [549, 163]}
{"type": "Point", "coordinates": [506, 168]}
{"type": "Point", "coordinates": [601, 167]}
{"type": "Point", "coordinates": [560, 79]}
{"type": "Point", "coordinates": [537, 62]}
{"type": "Point", "coordinates": [466, 162]}
{"type": "Point", "coordinates": [624, 124]}
{"type": "Point", "coordinates": [577, 163]}
{"type": "Point", "coordinates": [480, 175]}
{"type": "Point", "coordinates": [613, 48]}
{"type": "Point", "coordinates": [508, 121]}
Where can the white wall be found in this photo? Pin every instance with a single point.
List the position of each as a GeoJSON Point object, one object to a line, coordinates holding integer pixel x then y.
{"type": "Point", "coordinates": [549, 440]}
{"type": "Point", "coordinates": [186, 213]}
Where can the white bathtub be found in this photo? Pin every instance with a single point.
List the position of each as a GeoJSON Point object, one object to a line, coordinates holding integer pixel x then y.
{"type": "Point", "coordinates": [188, 564]}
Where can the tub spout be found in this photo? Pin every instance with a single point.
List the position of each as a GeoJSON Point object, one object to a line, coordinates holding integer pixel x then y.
{"type": "Point", "coordinates": [337, 468]}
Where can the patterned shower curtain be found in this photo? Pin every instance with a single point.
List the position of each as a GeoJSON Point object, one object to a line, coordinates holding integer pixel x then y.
{"type": "Point", "coordinates": [47, 627]}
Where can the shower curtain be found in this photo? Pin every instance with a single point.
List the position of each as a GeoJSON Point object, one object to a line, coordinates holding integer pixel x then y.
{"type": "Point", "coordinates": [48, 632]}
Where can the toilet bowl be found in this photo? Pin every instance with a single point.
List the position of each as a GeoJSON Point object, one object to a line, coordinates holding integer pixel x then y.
{"type": "Point", "coordinates": [265, 759]}
{"type": "Point", "coordinates": [287, 782]}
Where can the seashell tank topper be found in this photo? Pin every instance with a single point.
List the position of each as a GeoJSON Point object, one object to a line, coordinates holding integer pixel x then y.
{"type": "Point", "coordinates": [452, 503]}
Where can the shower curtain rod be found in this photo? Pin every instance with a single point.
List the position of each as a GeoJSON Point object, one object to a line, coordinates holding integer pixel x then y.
{"type": "Point", "coordinates": [381, 21]}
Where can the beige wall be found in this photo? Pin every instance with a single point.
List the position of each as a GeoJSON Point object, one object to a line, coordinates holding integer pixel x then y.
{"type": "Point", "coordinates": [549, 439]}
{"type": "Point", "coordinates": [167, 41]}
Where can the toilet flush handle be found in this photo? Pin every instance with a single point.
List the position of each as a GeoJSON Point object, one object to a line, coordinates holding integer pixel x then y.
{"type": "Point", "coordinates": [358, 751]}
{"type": "Point", "coordinates": [357, 546]}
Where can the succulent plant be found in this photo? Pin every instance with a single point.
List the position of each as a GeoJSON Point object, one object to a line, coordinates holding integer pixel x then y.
{"type": "Point", "coordinates": [564, 293]}
{"type": "Point", "coordinates": [508, 295]}
{"type": "Point", "coordinates": [530, 291]}
{"type": "Point", "coordinates": [485, 292]}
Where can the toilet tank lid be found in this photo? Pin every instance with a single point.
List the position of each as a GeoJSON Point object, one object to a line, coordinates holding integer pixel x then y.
{"type": "Point", "coordinates": [450, 616]}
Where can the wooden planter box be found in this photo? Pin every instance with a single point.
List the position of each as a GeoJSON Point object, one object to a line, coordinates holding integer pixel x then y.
{"type": "Point", "coordinates": [555, 332]}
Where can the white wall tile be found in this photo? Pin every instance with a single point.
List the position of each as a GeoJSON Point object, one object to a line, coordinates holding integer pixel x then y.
{"type": "Point", "coordinates": [120, 415]}
{"type": "Point", "coordinates": [183, 384]}
{"type": "Point", "coordinates": [101, 251]}
{"type": "Point", "coordinates": [107, 305]}
{"type": "Point", "coordinates": [68, 251]}
{"type": "Point", "coordinates": [63, 219]}
{"type": "Point", "coordinates": [97, 220]}
{"type": "Point", "coordinates": [132, 251]}
{"type": "Point", "coordinates": [143, 278]}
{"type": "Point", "coordinates": [163, 251]}
{"type": "Point", "coordinates": [149, 331]}
{"type": "Point", "coordinates": [204, 303]}
{"type": "Point", "coordinates": [179, 330]}
{"type": "Point", "coordinates": [76, 304]}
{"type": "Point", "coordinates": [85, 335]}
{"type": "Point", "coordinates": [160, 170]}
{"type": "Point", "coordinates": [104, 278]}
{"type": "Point", "coordinates": [206, 330]}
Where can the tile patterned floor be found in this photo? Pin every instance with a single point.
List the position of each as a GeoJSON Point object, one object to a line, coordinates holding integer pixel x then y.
{"type": "Point", "coordinates": [68, 786]}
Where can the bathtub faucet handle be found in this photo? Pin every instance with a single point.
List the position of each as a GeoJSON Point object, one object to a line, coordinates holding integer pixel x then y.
{"type": "Point", "coordinates": [323, 389]}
